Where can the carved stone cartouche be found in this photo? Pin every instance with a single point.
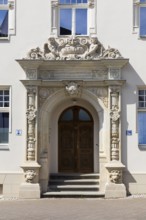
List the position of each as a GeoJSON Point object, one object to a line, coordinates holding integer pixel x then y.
{"type": "Point", "coordinates": [73, 48]}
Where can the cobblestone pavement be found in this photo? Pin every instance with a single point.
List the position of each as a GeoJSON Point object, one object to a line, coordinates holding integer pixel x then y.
{"type": "Point", "coordinates": [74, 209]}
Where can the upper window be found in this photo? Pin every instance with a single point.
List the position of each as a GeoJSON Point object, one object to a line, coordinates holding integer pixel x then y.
{"type": "Point", "coordinates": [142, 117]}
{"type": "Point", "coordinates": [7, 18]}
{"type": "Point", "coordinates": [73, 17]}
{"type": "Point", "coordinates": [140, 17]}
{"type": "Point", "coordinates": [3, 18]}
{"type": "Point", "coordinates": [73, 1]}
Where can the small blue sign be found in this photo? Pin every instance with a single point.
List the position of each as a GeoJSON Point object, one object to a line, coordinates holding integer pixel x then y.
{"type": "Point", "coordinates": [129, 132]}
{"type": "Point", "coordinates": [18, 132]}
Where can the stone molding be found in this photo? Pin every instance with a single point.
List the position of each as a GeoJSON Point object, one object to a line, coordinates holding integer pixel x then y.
{"type": "Point", "coordinates": [73, 48]}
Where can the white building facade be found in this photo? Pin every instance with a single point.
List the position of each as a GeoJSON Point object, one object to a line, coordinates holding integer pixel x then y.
{"type": "Point", "coordinates": [72, 94]}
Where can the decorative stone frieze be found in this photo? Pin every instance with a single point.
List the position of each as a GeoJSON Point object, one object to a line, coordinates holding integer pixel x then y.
{"type": "Point", "coordinates": [31, 74]}
{"type": "Point", "coordinates": [101, 74]}
{"type": "Point", "coordinates": [114, 73]}
{"type": "Point", "coordinates": [73, 48]}
{"type": "Point", "coordinates": [30, 175]}
{"type": "Point", "coordinates": [31, 116]}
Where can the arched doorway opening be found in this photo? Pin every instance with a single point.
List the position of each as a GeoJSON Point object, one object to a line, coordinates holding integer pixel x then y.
{"type": "Point", "coordinates": [75, 141]}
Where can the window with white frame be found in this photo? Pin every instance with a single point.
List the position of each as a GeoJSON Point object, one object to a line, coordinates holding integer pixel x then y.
{"type": "Point", "coordinates": [7, 18]}
{"type": "Point", "coordinates": [142, 116]}
{"type": "Point", "coordinates": [4, 115]}
{"type": "Point", "coordinates": [73, 17]}
{"type": "Point", "coordinates": [139, 18]}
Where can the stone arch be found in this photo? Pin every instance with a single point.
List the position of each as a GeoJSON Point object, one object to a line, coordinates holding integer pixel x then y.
{"type": "Point", "coordinates": [49, 114]}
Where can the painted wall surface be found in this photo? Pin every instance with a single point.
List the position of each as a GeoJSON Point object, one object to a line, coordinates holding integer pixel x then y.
{"type": "Point", "coordinates": [114, 28]}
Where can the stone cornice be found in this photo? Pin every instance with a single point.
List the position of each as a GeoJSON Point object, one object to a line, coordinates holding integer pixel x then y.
{"type": "Point", "coordinates": [69, 64]}
{"type": "Point", "coordinates": [86, 83]}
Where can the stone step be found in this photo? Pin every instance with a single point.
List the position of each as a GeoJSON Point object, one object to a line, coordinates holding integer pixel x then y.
{"type": "Point", "coordinates": [74, 181]}
{"type": "Point", "coordinates": [73, 185]}
{"type": "Point", "coordinates": [74, 176]}
{"type": "Point", "coordinates": [73, 188]}
{"type": "Point", "coordinates": [73, 194]}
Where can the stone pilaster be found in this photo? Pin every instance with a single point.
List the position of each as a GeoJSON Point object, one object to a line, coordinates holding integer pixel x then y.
{"type": "Point", "coordinates": [115, 188]}
{"type": "Point", "coordinates": [30, 188]}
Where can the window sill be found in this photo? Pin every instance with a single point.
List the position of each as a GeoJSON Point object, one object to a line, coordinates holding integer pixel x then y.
{"type": "Point", "coordinates": [142, 147]}
{"type": "Point", "coordinates": [4, 38]}
{"type": "Point", "coordinates": [4, 147]}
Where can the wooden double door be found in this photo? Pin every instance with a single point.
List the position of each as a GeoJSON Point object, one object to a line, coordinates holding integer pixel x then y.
{"type": "Point", "coordinates": [75, 141]}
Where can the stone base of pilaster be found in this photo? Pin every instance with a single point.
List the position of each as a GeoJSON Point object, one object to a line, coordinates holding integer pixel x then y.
{"type": "Point", "coordinates": [29, 191]}
{"type": "Point", "coordinates": [113, 190]}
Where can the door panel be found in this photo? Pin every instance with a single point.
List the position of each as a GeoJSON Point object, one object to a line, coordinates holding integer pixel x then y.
{"type": "Point", "coordinates": [85, 147]}
{"type": "Point", "coordinates": [66, 148]}
{"type": "Point", "coordinates": [76, 143]}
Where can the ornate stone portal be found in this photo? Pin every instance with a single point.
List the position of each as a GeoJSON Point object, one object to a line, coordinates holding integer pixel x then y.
{"type": "Point", "coordinates": [76, 66]}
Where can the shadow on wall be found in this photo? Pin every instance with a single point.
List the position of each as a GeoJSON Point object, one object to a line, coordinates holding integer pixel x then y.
{"type": "Point", "coordinates": [128, 179]}
{"type": "Point", "coordinates": [129, 120]}
{"type": "Point", "coordinates": [128, 111]}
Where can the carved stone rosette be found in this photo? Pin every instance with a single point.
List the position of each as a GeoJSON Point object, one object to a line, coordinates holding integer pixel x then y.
{"type": "Point", "coordinates": [114, 117]}
{"type": "Point", "coordinates": [31, 116]}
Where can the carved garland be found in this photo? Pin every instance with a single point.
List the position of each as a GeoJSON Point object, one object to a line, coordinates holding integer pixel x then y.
{"type": "Point", "coordinates": [115, 116]}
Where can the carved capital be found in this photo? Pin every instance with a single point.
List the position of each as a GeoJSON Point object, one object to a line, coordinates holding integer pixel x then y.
{"type": "Point", "coordinates": [31, 90]}
{"type": "Point", "coordinates": [115, 89]}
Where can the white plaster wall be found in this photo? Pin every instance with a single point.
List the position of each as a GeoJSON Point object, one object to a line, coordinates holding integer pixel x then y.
{"type": "Point", "coordinates": [114, 28]}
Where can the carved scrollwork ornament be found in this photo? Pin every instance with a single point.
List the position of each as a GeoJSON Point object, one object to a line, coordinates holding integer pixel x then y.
{"type": "Point", "coordinates": [115, 176]}
{"type": "Point", "coordinates": [30, 175]}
